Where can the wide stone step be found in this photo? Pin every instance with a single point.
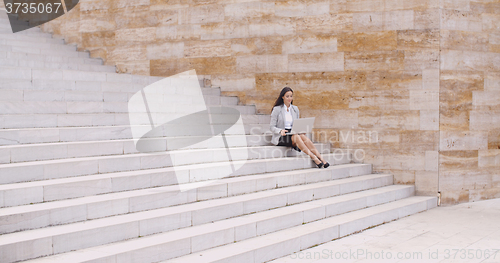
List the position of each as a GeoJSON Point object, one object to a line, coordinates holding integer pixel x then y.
{"type": "Point", "coordinates": [19, 121]}
{"type": "Point", "coordinates": [39, 64]}
{"type": "Point", "coordinates": [29, 38]}
{"type": "Point", "coordinates": [64, 50]}
{"type": "Point", "coordinates": [124, 97]}
{"type": "Point", "coordinates": [192, 221]}
{"type": "Point", "coordinates": [94, 207]}
{"type": "Point", "coordinates": [263, 248]}
{"type": "Point", "coordinates": [100, 133]}
{"type": "Point", "coordinates": [189, 168]}
{"type": "Point", "coordinates": [86, 186]}
{"type": "Point", "coordinates": [241, 238]}
{"type": "Point", "coordinates": [85, 107]}
{"type": "Point", "coordinates": [134, 86]}
{"type": "Point", "coordinates": [52, 58]}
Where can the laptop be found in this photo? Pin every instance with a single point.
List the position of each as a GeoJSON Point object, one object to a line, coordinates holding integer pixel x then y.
{"type": "Point", "coordinates": [302, 125]}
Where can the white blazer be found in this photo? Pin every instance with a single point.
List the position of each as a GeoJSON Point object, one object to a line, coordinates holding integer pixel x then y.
{"type": "Point", "coordinates": [278, 120]}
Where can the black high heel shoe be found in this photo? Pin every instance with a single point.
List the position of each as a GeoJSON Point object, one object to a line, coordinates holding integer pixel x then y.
{"type": "Point", "coordinates": [320, 164]}
{"type": "Point", "coordinates": [326, 165]}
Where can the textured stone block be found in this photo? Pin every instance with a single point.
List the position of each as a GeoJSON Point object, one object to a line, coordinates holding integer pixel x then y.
{"type": "Point", "coordinates": [239, 11]}
{"type": "Point", "coordinates": [374, 60]}
{"type": "Point", "coordinates": [203, 66]}
{"type": "Point", "coordinates": [210, 48]}
{"type": "Point", "coordinates": [407, 120]}
{"type": "Point", "coordinates": [461, 20]}
{"type": "Point", "coordinates": [234, 82]}
{"type": "Point", "coordinates": [135, 35]}
{"type": "Point", "coordinates": [484, 120]}
{"type": "Point", "coordinates": [488, 98]}
{"type": "Point", "coordinates": [489, 158]}
{"type": "Point", "coordinates": [300, 9]}
{"type": "Point", "coordinates": [429, 120]}
{"type": "Point", "coordinates": [310, 44]}
{"type": "Point", "coordinates": [427, 19]}
{"type": "Point", "coordinates": [463, 141]}
{"type": "Point", "coordinates": [420, 60]}
{"type": "Point", "coordinates": [271, 27]}
{"type": "Point", "coordinates": [430, 79]}
{"type": "Point", "coordinates": [431, 161]}
{"type": "Point", "coordinates": [316, 62]}
{"type": "Point", "coordinates": [367, 41]}
{"type": "Point", "coordinates": [424, 100]}
{"type": "Point", "coordinates": [492, 81]}
{"type": "Point", "coordinates": [418, 39]}
{"type": "Point", "coordinates": [426, 183]}
{"type": "Point", "coordinates": [202, 14]}
{"type": "Point", "coordinates": [381, 21]}
{"type": "Point", "coordinates": [328, 23]}
{"type": "Point", "coordinates": [127, 53]}
{"type": "Point", "coordinates": [257, 46]}
{"type": "Point", "coordinates": [262, 63]}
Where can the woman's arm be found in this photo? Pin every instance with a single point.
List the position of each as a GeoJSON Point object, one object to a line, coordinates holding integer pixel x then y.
{"type": "Point", "coordinates": [274, 121]}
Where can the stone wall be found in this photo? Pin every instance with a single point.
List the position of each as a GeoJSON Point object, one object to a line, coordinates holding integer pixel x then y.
{"type": "Point", "coordinates": [469, 96]}
{"type": "Point", "coordinates": [413, 83]}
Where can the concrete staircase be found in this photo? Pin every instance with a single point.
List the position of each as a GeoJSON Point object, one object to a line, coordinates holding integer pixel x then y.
{"type": "Point", "coordinates": [73, 187]}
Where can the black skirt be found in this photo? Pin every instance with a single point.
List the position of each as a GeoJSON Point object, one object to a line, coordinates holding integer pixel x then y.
{"type": "Point", "coordinates": [285, 140]}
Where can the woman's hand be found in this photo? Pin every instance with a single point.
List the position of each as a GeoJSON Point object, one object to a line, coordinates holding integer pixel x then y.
{"type": "Point", "coordinates": [282, 132]}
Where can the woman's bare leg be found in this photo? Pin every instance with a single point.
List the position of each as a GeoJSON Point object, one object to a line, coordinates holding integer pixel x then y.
{"type": "Point", "coordinates": [297, 140]}
{"type": "Point", "coordinates": [310, 146]}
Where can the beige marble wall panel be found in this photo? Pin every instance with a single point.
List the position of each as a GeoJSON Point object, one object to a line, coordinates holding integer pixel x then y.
{"type": "Point", "coordinates": [426, 183]}
{"type": "Point", "coordinates": [383, 119]}
{"type": "Point", "coordinates": [424, 100]}
{"type": "Point", "coordinates": [212, 31]}
{"type": "Point", "coordinates": [300, 9]}
{"type": "Point", "coordinates": [92, 5]}
{"type": "Point", "coordinates": [135, 36]}
{"type": "Point", "coordinates": [418, 39]}
{"type": "Point", "coordinates": [202, 14]}
{"type": "Point", "coordinates": [490, 23]}
{"type": "Point", "coordinates": [484, 194]}
{"type": "Point", "coordinates": [340, 119]}
{"type": "Point", "coordinates": [424, 138]}
{"type": "Point", "coordinates": [457, 120]}
{"type": "Point", "coordinates": [127, 53]}
{"type": "Point", "coordinates": [234, 82]}
{"type": "Point", "coordinates": [430, 79]}
{"type": "Point", "coordinates": [99, 39]}
{"type": "Point", "coordinates": [374, 60]}
{"type": "Point", "coordinates": [390, 159]}
{"type": "Point", "coordinates": [494, 139]}
{"type": "Point", "coordinates": [469, 60]}
{"type": "Point", "coordinates": [324, 24]}
{"type": "Point", "coordinates": [256, 46]}
{"type": "Point", "coordinates": [463, 40]}
{"type": "Point", "coordinates": [484, 120]}
{"type": "Point", "coordinates": [381, 100]}
{"type": "Point", "coordinates": [491, 7]}
{"type": "Point", "coordinates": [388, 5]}
{"type": "Point", "coordinates": [203, 66]}
{"type": "Point", "coordinates": [461, 20]}
{"type": "Point", "coordinates": [489, 158]}
{"type": "Point", "coordinates": [130, 3]}
{"type": "Point", "coordinates": [271, 27]}
{"type": "Point", "coordinates": [261, 64]}
{"type": "Point", "coordinates": [140, 67]}
{"type": "Point", "coordinates": [396, 81]}
{"type": "Point", "coordinates": [427, 19]}
{"type": "Point", "coordinates": [309, 44]}
{"type": "Point", "coordinates": [167, 33]}
{"type": "Point", "coordinates": [383, 21]}
{"type": "Point", "coordinates": [450, 161]}
{"type": "Point", "coordinates": [432, 161]}
{"type": "Point", "coordinates": [421, 60]}
{"type": "Point", "coordinates": [463, 140]}
{"type": "Point", "coordinates": [142, 17]}
{"type": "Point", "coordinates": [462, 5]}
{"type": "Point", "coordinates": [313, 81]}
{"type": "Point", "coordinates": [486, 98]}
{"type": "Point", "coordinates": [494, 43]}
{"type": "Point", "coordinates": [100, 20]}
{"type": "Point", "coordinates": [239, 11]}
{"type": "Point", "coordinates": [315, 62]}
{"type": "Point", "coordinates": [236, 29]}
{"type": "Point", "coordinates": [208, 48]}
{"type": "Point", "coordinates": [166, 50]}
{"type": "Point", "coordinates": [492, 81]}
{"type": "Point", "coordinates": [367, 41]}
{"type": "Point", "coordinates": [429, 120]}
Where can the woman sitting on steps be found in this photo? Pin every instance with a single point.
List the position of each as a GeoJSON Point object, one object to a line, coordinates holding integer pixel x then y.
{"type": "Point", "coordinates": [284, 112]}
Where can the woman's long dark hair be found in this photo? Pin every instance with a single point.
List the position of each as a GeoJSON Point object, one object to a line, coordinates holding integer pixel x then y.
{"type": "Point", "coordinates": [279, 100]}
